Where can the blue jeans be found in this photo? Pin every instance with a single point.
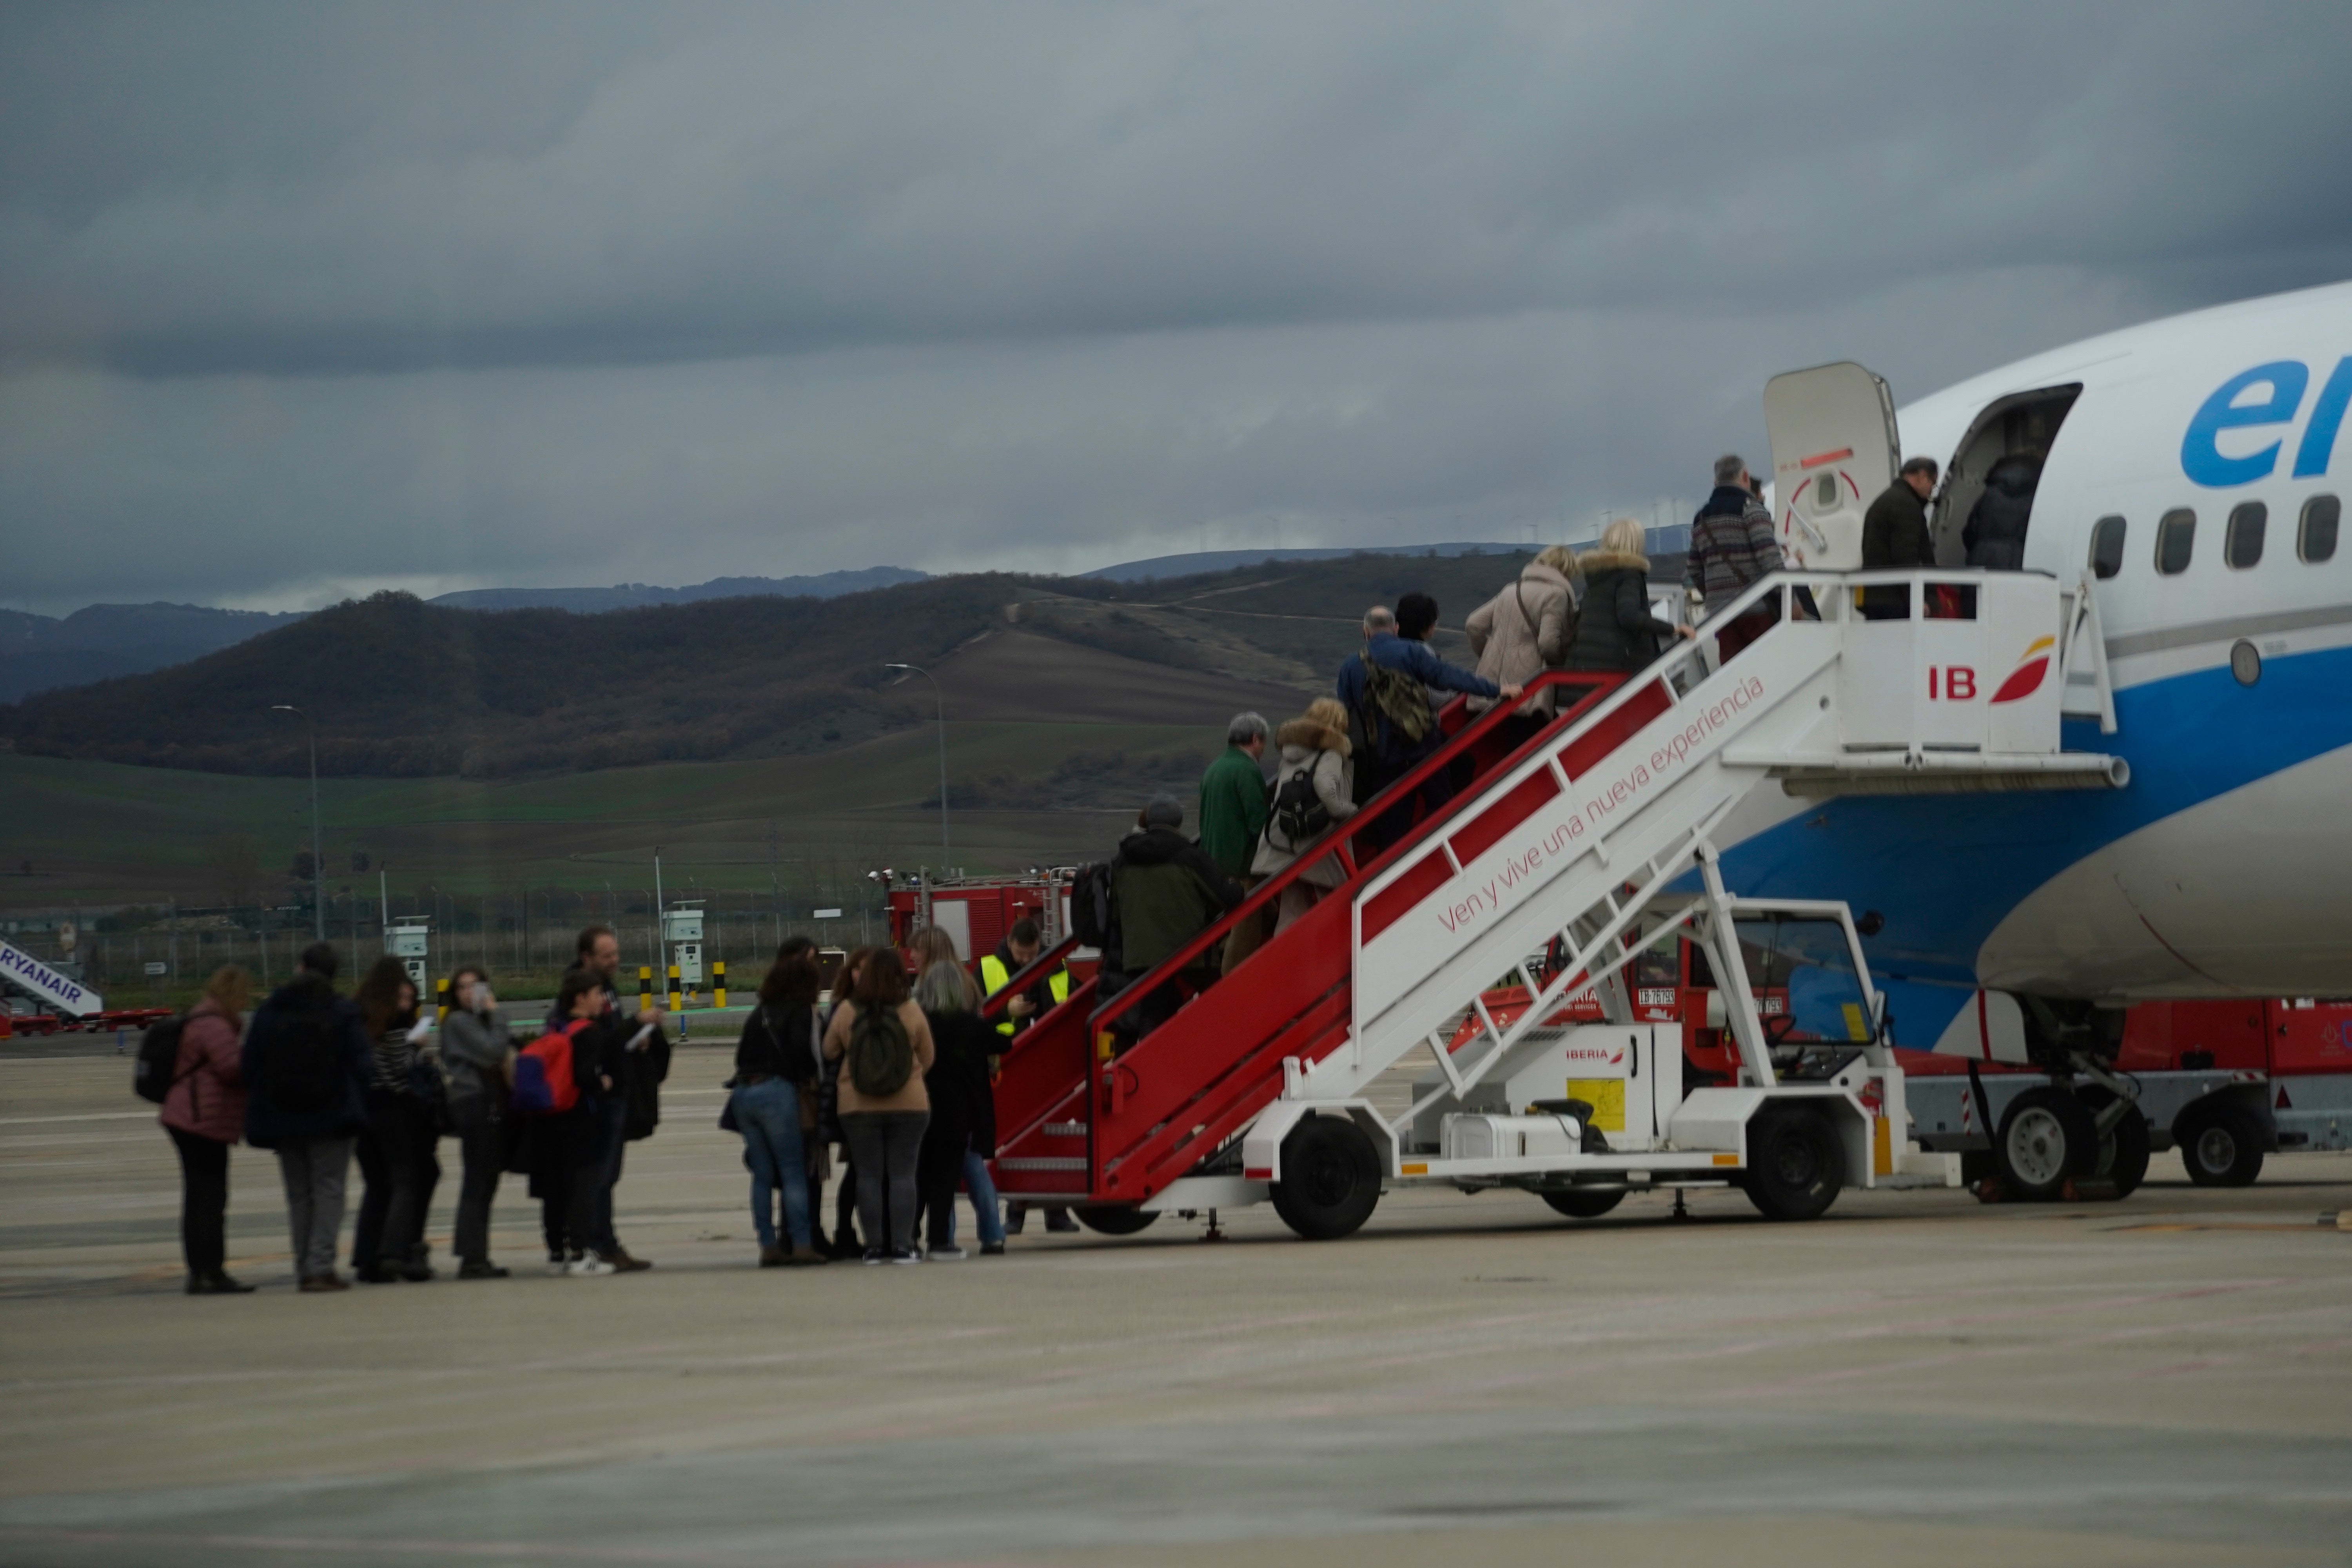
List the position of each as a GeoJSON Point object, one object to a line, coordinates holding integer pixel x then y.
{"type": "Point", "coordinates": [984, 1202]}
{"type": "Point", "coordinates": [770, 1113]}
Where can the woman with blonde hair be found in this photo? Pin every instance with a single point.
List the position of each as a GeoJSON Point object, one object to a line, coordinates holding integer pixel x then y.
{"type": "Point", "coordinates": [1314, 788]}
{"type": "Point", "coordinates": [1526, 629]}
{"type": "Point", "coordinates": [204, 1111]}
{"type": "Point", "coordinates": [1615, 629]}
{"type": "Point", "coordinates": [964, 1107]}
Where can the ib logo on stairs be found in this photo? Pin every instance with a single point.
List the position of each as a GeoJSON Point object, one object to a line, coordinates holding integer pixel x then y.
{"type": "Point", "coordinates": [1958, 682]}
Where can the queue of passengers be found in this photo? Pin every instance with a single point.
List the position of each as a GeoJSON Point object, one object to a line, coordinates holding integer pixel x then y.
{"type": "Point", "coordinates": [896, 1074]}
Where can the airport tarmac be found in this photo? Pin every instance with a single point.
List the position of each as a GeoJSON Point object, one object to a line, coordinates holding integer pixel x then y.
{"type": "Point", "coordinates": [1916, 1378]}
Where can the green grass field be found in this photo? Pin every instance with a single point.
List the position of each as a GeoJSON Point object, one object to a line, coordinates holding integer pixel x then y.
{"type": "Point", "coordinates": [99, 835]}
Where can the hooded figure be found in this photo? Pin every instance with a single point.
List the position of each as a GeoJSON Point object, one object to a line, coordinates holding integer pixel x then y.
{"type": "Point", "coordinates": [1165, 888]}
{"type": "Point", "coordinates": [1527, 628]}
{"type": "Point", "coordinates": [1995, 534]}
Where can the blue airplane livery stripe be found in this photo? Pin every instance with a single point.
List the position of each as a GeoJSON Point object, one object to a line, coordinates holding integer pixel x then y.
{"type": "Point", "coordinates": [2190, 738]}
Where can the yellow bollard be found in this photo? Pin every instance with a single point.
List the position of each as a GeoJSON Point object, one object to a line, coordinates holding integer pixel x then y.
{"type": "Point", "coordinates": [645, 987]}
{"type": "Point", "coordinates": [718, 984]}
{"type": "Point", "coordinates": [441, 999]}
{"type": "Point", "coordinates": [673, 988]}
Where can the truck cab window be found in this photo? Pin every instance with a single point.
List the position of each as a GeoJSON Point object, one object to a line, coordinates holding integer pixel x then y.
{"type": "Point", "coordinates": [2108, 546]}
{"type": "Point", "coordinates": [2242, 544]}
{"type": "Point", "coordinates": [2315, 538]}
{"type": "Point", "coordinates": [2176, 540]}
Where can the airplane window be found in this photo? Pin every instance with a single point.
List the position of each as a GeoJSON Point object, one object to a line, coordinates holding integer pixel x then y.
{"type": "Point", "coordinates": [1825, 492]}
{"type": "Point", "coordinates": [2241, 546]}
{"type": "Point", "coordinates": [2108, 546]}
{"type": "Point", "coordinates": [2176, 538]}
{"type": "Point", "coordinates": [2320, 516]}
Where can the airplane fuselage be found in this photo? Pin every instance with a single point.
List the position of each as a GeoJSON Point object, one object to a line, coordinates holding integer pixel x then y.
{"type": "Point", "coordinates": [2225, 867]}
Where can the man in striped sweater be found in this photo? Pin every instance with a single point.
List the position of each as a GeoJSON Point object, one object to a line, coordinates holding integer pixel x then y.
{"type": "Point", "coordinates": [1731, 539]}
{"type": "Point", "coordinates": [1731, 546]}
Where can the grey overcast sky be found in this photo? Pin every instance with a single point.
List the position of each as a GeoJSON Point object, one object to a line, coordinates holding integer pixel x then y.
{"type": "Point", "coordinates": [304, 299]}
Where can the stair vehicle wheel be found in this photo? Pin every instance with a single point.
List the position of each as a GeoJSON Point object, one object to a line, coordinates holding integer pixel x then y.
{"type": "Point", "coordinates": [1795, 1163]}
{"type": "Point", "coordinates": [2122, 1153]}
{"type": "Point", "coordinates": [2223, 1148]}
{"type": "Point", "coordinates": [1581, 1203]}
{"type": "Point", "coordinates": [2047, 1137]}
{"type": "Point", "coordinates": [1115, 1220]}
{"type": "Point", "coordinates": [1331, 1179]}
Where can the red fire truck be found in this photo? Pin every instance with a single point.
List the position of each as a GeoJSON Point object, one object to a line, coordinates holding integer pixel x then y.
{"type": "Point", "coordinates": [977, 911]}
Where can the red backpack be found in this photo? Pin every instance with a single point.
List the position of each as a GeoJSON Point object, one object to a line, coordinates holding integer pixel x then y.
{"type": "Point", "coordinates": [544, 1082]}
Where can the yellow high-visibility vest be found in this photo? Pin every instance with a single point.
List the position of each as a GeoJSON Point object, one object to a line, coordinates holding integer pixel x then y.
{"type": "Point", "coordinates": [994, 977]}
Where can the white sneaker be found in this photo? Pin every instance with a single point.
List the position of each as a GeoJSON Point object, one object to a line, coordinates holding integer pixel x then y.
{"type": "Point", "coordinates": [909, 1256]}
{"type": "Point", "coordinates": [946, 1255]}
{"type": "Point", "coordinates": [558, 1265]}
{"type": "Point", "coordinates": [592, 1264]}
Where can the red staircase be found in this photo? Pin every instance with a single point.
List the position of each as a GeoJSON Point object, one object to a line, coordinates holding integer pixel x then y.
{"type": "Point", "coordinates": [1078, 1125]}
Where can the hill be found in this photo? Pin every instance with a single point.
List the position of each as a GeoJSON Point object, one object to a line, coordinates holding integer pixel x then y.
{"type": "Point", "coordinates": [41, 653]}
{"type": "Point", "coordinates": [398, 687]}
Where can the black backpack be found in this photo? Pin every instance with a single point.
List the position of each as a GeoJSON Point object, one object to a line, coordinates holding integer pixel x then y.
{"type": "Point", "coordinates": [300, 1060]}
{"type": "Point", "coordinates": [1299, 811]}
{"type": "Point", "coordinates": [1090, 906]}
{"type": "Point", "coordinates": [881, 1056]}
{"type": "Point", "coordinates": [158, 1059]}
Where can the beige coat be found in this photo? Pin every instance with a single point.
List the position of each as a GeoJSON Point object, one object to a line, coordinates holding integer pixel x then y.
{"type": "Point", "coordinates": [912, 1097]}
{"type": "Point", "coordinates": [1303, 742]}
{"type": "Point", "coordinates": [1523, 631]}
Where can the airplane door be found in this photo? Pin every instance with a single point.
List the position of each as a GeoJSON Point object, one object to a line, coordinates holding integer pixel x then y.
{"type": "Point", "coordinates": [1834, 449]}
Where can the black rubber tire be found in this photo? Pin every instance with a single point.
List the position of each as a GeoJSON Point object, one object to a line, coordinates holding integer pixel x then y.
{"type": "Point", "coordinates": [2122, 1153]}
{"type": "Point", "coordinates": [1331, 1179]}
{"type": "Point", "coordinates": [1796, 1164]}
{"type": "Point", "coordinates": [1578, 1203]}
{"type": "Point", "coordinates": [1116, 1219]}
{"type": "Point", "coordinates": [2047, 1139]}
{"type": "Point", "coordinates": [2222, 1147]}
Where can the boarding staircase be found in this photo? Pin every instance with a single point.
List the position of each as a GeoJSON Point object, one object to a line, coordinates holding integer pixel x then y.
{"type": "Point", "coordinates": [1561, 845]}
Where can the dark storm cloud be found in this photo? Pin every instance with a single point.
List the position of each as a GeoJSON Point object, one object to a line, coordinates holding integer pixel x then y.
{"type": "Point", "coordinates": [312, 296]}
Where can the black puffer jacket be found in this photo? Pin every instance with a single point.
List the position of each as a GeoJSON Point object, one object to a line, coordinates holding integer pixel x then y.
{"type": "Point", "coordinates": [1995, 534]}
{"type": "Point", "coordinates": [1615, 629]}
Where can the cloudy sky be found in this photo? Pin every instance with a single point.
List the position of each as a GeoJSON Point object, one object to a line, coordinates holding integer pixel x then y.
{"type": "Point", "coordinates": [303, 300]}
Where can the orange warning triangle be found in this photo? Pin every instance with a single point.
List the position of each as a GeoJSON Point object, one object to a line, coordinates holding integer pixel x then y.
{"type": "Point", "coordinates": [2284, 1102]}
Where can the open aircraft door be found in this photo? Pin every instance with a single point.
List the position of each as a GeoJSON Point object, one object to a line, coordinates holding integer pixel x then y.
{"type": "Point", "coordinates": [1834, 449]}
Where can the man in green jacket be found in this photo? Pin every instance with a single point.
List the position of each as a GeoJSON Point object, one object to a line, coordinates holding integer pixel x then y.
{"type": "Point", "coordinates": [1231, 816]}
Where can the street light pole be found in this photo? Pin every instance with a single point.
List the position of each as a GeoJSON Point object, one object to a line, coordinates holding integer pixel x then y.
{"type": "Point", "coordinates": [318, 854]}
{"type": "Point", "coordinates": [943, 701]}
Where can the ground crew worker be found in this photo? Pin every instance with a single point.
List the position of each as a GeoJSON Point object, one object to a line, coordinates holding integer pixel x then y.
{"type": "Point", "coordinates": [1016, 952]}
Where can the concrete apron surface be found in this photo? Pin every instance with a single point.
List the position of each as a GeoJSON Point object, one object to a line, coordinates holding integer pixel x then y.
{"type": "Point", "coordinates": [1916, 1378]}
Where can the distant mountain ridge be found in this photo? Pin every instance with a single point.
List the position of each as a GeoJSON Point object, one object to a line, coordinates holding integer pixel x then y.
{"type": "Point", "coordinates": [637, 595]}
{"type": "Point", "coordinates": [97, 642]}
{"type": "Point", "coordinates": [1199, 561]}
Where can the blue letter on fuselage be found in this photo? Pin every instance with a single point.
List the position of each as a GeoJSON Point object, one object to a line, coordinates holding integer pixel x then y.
{"type": "Point", "coordinates": [2203, 461]}
{"type": "Point", "coordinates": [2327, 419]}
